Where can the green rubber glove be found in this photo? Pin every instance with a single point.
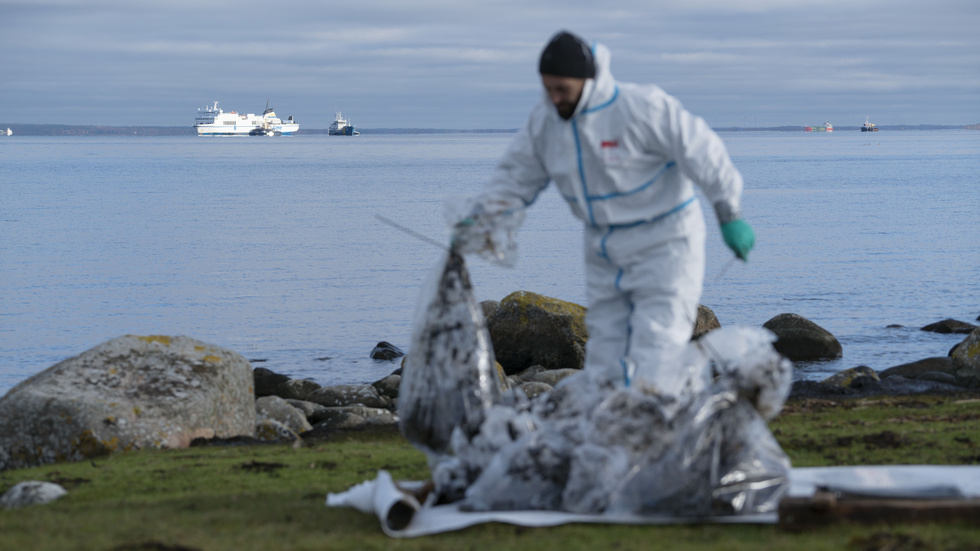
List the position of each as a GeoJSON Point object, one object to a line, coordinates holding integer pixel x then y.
{"type": "Point", "coordinates": [454, 241]}
{"type": "Point", "coordinates": [739, 237]}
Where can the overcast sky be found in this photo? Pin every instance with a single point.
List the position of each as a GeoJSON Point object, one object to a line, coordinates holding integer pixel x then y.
{"type": "Point", "coordinates": [472, 64]}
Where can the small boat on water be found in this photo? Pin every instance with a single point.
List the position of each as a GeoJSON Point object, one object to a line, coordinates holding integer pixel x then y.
{"type": "Point", "coordinates": [9, 132]}
{"type": "Point", "coordinates": [827, 127]}
{"type": "Point", "coordinates": [342, 127]}
{"type": "Point", "coordinates": [868, 126]}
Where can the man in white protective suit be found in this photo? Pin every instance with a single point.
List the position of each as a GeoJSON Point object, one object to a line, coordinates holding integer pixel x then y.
{"type": "Point", "coordinates": [626, 158]}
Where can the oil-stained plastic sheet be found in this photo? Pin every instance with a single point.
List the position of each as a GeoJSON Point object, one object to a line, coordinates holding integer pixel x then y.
{"type": "Point", "coordinates": [591, 447]}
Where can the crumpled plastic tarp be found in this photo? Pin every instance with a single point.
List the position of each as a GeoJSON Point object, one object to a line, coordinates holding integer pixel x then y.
{"type": "Point", "coordinates": [590, 447]}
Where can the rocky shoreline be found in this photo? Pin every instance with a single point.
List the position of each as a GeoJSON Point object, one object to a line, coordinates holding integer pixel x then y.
{"type": "Point", "coordinates": [541, 340]}
{"type": "Point", "coordinates": [137, 392]}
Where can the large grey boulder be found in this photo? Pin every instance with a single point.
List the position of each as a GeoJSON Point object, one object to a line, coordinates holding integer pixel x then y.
{"type": "Point", "coordinates": [530, 329]}
{"type": "Point", "coordinates": [128, 393]}
{"type": "Point", "coordinates": [801, 339]}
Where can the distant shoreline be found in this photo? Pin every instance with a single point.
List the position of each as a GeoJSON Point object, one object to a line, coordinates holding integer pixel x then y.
{"type": "Point", "coordinates": [93, 130]}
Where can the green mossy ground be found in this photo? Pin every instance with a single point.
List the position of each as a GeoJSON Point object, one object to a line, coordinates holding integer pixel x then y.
{"type": "Point", "coordinates": [272, 496]}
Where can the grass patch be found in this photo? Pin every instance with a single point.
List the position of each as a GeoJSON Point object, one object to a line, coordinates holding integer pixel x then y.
{"type": "Point", "coordinates": [272, 496]}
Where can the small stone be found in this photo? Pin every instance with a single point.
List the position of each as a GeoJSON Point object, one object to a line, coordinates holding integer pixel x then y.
{"type": "Point", "coordinates": [948, 326]}
{"type": "Point", "coordinates": [277, 409]}
{"type": "Point", "coordinates": [534, 389]}
{"type": "Point", "coordinates": [296, 389]}
{"type": "Point", "coordinates": [386, 351]}
{"type": "Point", "coordinates": [348, 395]}
{"type": "Point", "coordinates": [912, 370]}
{"type": "Point", "coordinates": [706, 321]}
{"type": "Point", "coordinates": [266, 381]}
{"type": "Point", "coordinates": [847, 377]}
{"type": "Point", "coordinates": [551, 376]}
{"type": "Point", "coordinates": [268, 430]}
{"type": "Point", "coordinates": [388, 386]}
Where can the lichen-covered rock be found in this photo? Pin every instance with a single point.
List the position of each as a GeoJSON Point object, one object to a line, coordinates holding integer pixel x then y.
{"type": "Point", "coordinates": [127, 393]}
{"type": "Point", "coordinates": [801, 339]}
{"type": "Point", "coordinates": [277, 409]}
{"type": "Point", "coordinates": [706, 321]}
{"type": "Point", "coordinates": [348, 395]}
{"type": "Point", "coordinates": [296, 389]}
{"type": "Point", "coordinates": [530, 329]}
{"type": "Point", "coordinates": [489, 308]}
{"type": "Point", "coordinates": [31, 492]}
{"type": "Point", "coordinates": [847, 377]}
{"type": "Point", "coordinates": [966, 356]}
{"type": "Point", "coordinates": [269, 430]}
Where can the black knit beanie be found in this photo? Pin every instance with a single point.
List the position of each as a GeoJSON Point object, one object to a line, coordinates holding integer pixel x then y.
{"type": "Point", "coordinates": [567, 55]}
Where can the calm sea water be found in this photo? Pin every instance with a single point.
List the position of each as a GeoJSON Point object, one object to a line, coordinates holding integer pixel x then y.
{"type": "Point", "coordinates": [271, 247]}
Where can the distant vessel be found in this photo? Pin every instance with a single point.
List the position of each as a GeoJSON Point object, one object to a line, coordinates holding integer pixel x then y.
{"type": "Point", "coordinates": [868, 126]}
{"type": "Point", "coordinates": [212, 121]}
{"type": "Point", "coordinates": [827, 127]}
{"type": "Point", "coordinates": [10, 132]}
{"type": "Point", "coordinates": [342, 127]}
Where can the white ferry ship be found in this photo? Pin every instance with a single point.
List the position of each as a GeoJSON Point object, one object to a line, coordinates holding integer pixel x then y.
{"type": "Point", "coordinates": [212, 121]}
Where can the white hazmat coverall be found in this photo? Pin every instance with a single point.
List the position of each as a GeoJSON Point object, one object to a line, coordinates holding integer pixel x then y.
{"type": "Point", "coordinates": [626, 162]}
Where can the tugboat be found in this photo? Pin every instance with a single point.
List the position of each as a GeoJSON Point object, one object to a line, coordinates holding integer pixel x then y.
{"type": "Point", "coordinates": [868, 126]}
{"type": "Point", "coordinates": [342, 127]}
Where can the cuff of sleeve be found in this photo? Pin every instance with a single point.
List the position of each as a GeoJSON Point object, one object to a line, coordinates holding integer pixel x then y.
{"type": "Point", "coordinates": [727, 211]}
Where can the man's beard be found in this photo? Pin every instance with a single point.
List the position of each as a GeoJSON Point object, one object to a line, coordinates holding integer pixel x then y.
{"type": "Point", "coordinates": [566, 110]}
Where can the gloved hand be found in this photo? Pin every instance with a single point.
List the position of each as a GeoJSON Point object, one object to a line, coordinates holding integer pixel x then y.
{"type": "Point", "coordinates": [739, 237]}
{"type": "Point", "coordinates": [454, 240]}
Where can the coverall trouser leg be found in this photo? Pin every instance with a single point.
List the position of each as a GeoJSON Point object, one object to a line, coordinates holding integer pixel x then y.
{"type": "Point", "coordinates": [644, 284]}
